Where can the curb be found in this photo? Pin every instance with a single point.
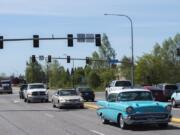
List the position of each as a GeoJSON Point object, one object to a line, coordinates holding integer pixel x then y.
{"type": "Point", "coordinates": [95, 107]}
{"type": "Point", "coordinates": [175, 120]}
{"type": "Point", "coordinates": [91, 106]}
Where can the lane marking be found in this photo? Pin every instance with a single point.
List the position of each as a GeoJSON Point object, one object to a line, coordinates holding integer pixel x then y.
{"type": "Point", "coordinates": [16, 101]}
{"type": "Point", "coordinates": [49, 115]}
{"type": "Point", "coordinates": [97, 132]}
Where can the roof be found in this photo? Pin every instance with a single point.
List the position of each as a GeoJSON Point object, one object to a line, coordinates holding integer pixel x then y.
{"type": "Point", "coordinates": [131, 90]}
{"type": "Point", "coordinates": [35, 83]}
{"type": "Point", "coordinates": [67, 89]}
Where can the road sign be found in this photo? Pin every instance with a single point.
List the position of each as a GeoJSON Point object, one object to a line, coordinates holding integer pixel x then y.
{"type": "Point", "coordinates": [41, 57]}
{"type": "Point", "coordinates": [114, 61]}
{"type": "Point", "coordinates": [81, 37]}
{"type": "Point", "coordinates": [90, 38]}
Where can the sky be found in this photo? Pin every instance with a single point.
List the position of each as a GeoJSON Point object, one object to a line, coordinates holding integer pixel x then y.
{"type": "Point", "coordinates": [153, 21]}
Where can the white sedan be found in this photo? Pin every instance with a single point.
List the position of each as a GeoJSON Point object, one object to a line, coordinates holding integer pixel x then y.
{"type": "Point", "coordinates": [67, 98]}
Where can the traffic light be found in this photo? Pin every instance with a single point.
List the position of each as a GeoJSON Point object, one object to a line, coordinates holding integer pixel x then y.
{"type": "Point", "coordinates": [33, 58]}
{"type": "Point", "coordinates": [178, 51]}
{"type": "Point", "coordinates": [98, 39]}
{"type": "Point", "coordinates": [35, 41]}
{"type": "Point", "coordinates": [87, 60]}
{"type": "Point", "coordinates": [68, 59]}
{"type": "Point", "coordinates": [70, 40]}
{"type": "Point", "coordinates": [1, 42]}
{"type": "Point", "coordinates": [49, 58]}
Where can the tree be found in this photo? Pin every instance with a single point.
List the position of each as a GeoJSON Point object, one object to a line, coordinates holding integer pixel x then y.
{"type": "Point", "coordinates": [125, 67]}
{"type": "Point", "coordinates": [106, 52]}
{"type": "Point", "coordinates": [34, 72]}
{"type": "Point", "coordinates": [162, 65]}
{"type": "Point", "coordinates": [94, 80]}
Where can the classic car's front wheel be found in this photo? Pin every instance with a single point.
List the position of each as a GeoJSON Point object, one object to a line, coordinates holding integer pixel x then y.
{"type": "Point", "coordinates": [121, 123]}
{"type": "Point", "coordinates": [105, 121]}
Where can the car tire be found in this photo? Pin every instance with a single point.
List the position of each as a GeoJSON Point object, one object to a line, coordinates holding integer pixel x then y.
{"type": "Point", "coordinates": [81, 106]}
{"type": "Point", "coordinates": [104, 121]}
{"type": "Point", "coordinates": [28, 101]}
{"type": "Point", "coordinates": [163, 125]}
{"type": "Point", "coordinates": [121, 123]}
{"type": "Point", "coordinates": [173, 102]}
{"type": "Point", "coordinates": [54, 105]}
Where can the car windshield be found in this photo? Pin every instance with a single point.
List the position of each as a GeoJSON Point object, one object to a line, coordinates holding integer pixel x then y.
{"type": "Point", "coordinates": [37, 86]}
{"type": "Point", "coordinates": [84, 89]}
{"type": "Point", "coordinates": [5, 82]}
{"type": "Point", "coordinates": [171, 87]}
{"type": "Point", "coordinates": [23, 87]}
{"type": "Point", "coordinates": [68, 93]}
{"type": "Point", "coordinates": [123, 83]}
{"type": "Point", "coordinates": [178, 91]}
{"type": "Point", "coordinates": [135, 96]}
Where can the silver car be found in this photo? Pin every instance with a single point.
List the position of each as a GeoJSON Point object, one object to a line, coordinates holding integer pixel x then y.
{"type": "Point", "coordinates": [67, 98]}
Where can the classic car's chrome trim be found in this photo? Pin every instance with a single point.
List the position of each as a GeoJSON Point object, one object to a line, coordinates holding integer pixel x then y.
{"type": "Point", "coordinates": [148, 118]}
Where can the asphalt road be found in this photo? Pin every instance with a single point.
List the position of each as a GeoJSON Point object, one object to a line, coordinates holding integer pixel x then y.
{"type": "Point", "coordinates": [19, 118]}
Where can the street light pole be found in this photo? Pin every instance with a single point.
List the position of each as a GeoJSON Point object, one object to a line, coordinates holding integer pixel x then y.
{"type": "Point", "coordinates": [132, 45]}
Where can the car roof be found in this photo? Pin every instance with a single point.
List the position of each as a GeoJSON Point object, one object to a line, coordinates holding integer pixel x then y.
{"type": "Point", "coordinates": [5, 80]}
{"type": "Point", "coordinates": [66, 89]}
{"type": "Point", "coordinates": [132, 90]}
{"type": "Point", "coordinates": [151, 88]}
{"type": "Point", "coordinates": [36, 84]}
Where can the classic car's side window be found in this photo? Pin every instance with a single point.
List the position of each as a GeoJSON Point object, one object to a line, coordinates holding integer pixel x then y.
{"type": "Point", "coordinates": [112, 97]}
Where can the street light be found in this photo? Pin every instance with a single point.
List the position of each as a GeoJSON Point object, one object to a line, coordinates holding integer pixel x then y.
{"type": "Point", "coordinates": [132, 45]}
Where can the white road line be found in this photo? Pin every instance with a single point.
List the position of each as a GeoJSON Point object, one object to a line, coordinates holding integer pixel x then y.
{"type": "Point", "coordinates": [16, 101]}
{"type": "Point", "coordinates": [49, 115]}
{"type": "Point", "coordinates": [96, 132]}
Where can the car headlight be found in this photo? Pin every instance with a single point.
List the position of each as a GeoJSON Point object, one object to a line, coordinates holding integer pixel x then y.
{"type": "Point", "coordinates": [62, 100]}
{"type": "Point", "coordinates": [168, 108]}
{"type": "Point", "coordinates": [129, 109]}
{"type": "Point", "coordinates": [29, 94]}
{"type": "Point", "coordinates": [47, 92]}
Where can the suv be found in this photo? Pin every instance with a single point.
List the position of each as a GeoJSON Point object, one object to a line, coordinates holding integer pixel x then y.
{"type": "Point", "coordinates": [5, 86]}
{"type": "Point", "coordinates": [117, 86]}
{"type": "Point", "coordinates": [157, 93]}
{"type": "Point", "coordinates": [86, 93]}
{"type": "Point", "coordinates": [168, 89]}
{"type": "Point", "coordinates": [35, 92]}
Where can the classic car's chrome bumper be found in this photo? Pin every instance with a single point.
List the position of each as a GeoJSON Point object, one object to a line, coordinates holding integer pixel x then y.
{"type": "Point", "coordinates": [148, 118]}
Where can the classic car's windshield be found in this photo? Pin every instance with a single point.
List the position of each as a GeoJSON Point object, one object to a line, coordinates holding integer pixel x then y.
{"type": "Point", "coordinates": [135, 95]}
{"type": "Point", "coordinates": [68, 93]}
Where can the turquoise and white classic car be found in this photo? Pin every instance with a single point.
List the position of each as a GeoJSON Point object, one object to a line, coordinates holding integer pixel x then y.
{"type": "Point", "coordinates": [132, 107]}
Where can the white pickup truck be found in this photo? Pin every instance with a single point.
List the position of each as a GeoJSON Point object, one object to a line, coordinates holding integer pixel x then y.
{"type": "Point", "coordinates": [117, 86]}
{"type": "Point", "coordinates": [35, 92]}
